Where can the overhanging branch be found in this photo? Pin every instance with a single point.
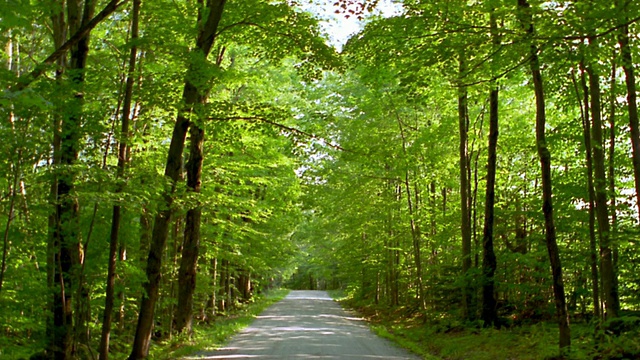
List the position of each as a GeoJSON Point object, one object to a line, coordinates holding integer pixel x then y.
{"type": "Point", "coordinates": [280, 126]}
{"type": "Point", "coordinates": [25, 80]}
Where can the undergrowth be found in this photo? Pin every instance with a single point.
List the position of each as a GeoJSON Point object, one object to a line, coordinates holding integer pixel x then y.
{"type": "Point", "coordinates": [445, 337]}
{"type": "Point", "coordinates": [211, 336]}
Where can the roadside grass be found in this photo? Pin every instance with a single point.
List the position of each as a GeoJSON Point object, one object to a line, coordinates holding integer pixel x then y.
{"type": "Point", "coordinates": [450, 339]}
{"type": "Point", "coordinates": [211, 336]}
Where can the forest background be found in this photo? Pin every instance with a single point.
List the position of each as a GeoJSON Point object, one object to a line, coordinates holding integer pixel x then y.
{"type": "Point", "coordinates": [457, 164]}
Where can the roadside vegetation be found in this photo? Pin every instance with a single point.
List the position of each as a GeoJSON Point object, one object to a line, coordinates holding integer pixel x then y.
{"type": "Point", "coordinates": [212, 335]}
{"type": "Point", "coordinates": [446, 337]}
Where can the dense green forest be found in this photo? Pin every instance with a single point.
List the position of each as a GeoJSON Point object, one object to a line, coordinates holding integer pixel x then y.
{"type": "Point", "coordinates": [465, 162]}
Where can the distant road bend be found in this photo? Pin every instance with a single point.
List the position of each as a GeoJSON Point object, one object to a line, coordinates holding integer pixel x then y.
{"type": "Point", "coordinates": [307, 325]}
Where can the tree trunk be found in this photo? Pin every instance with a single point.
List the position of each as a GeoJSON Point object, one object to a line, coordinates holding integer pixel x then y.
{"type": "Point", "coordinates": [489, 264]}
{"type": "Point", "coordinates": [545, 164]}
{"type": "Point", "coordinates": [10, 217]}
{"type": "Point", "coordinates": [223, 288]}
{"type": "Point", "coordinates": [191, 245]}
{"type": "Point", "coordinates": [612, 305]}
{"type": "Point", "coordinates": [611, 173]}
{"type": "Point", "coordinates": [190, 97]}
{"type": "Point", "coordinates": [214, 286]}
{"type": "Point", "coordinates": [59, 35]}
{"type": "Point", "coordinates": [632, 104]}
{"type": "Point", "coordinates": [465, 227]}
{"type": "Point", "coordinates": [116, 216]}
{"type": "Point", "coordinates": [66, 240]}
{"type": "Point", "coordinates": [415, 235]}
{"type": "Point", "coordinates": [586, 132]}
{"type": "Point", "coordinates": [415, 228]}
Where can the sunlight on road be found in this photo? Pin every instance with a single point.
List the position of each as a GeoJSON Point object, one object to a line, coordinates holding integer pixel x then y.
{"type": "Point", "coordinates": [307, 325]}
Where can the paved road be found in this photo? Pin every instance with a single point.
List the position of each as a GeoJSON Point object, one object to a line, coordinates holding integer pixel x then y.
{"type": "Point", "coordinates": [307, 325]}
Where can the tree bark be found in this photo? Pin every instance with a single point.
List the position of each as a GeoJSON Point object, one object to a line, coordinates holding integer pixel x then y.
{"type": "Point", "coordinates": [465, 227]}
{"type": "Point", "coordinates": [489, 263]}
{"type": "Point", "coordinates": [191, 245]}
{"type": "Point", "coordinates": [116, 214]}
{"type": "Point", "coordinates": [611, 173]}
{"type": "Point", "coordinates": [416, 234]}
{"type": "Point", "coordinates": [415, 228]}
{"type": "Point", "coordinates": [632, 104]}
{"type": "Point", "coordinates": [612, 305]}
{"type": "Point", "coordinates": [66, 240]}
{"type": "Point", "coordinates": [545, 164]}
{"type": "Point", "coordinates": [10, 217]}
{"type": "Point", "coordinates": [586, 132]}
{"type": "Point", "coordinates": [59, 35]}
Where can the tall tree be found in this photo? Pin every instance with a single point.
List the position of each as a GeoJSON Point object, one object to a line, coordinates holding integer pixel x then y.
{"type": "Point", "coordinates": [607, 271]}
{"type": "Point", "coordinates": [544, 155]}
{"type": "Point", "coordinates": [66, 240]}
{"type": "Point", "coordinates": [632, 103]}
{"type": "Point", "coordinates": [123, 151]}
{"type": "Point", "coordinates": [468, 308]}
{"type": "Point", "coordinates": [586, 135]}
{"type": "Point", "coordinates": [209, 15]}
{"type": "Point", "coordinates": [489, 264]}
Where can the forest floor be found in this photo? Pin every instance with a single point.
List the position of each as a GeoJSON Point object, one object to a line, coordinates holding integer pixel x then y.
{"type": "Point", "coordinates": [449, 339]}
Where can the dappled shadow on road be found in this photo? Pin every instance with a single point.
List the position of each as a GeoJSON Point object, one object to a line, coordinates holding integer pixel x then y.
{"type": "Point", "coordinates": [307, 325]}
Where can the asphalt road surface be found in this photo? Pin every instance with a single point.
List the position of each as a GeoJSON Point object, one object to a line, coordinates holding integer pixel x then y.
{"type": "Point", "coordinates": [307, 325]}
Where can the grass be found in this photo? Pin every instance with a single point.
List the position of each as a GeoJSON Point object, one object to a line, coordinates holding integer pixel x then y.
{"type": "Point", "coordinates": [214, 335]}
{"type": "Point", "coordinates": [449, 339]}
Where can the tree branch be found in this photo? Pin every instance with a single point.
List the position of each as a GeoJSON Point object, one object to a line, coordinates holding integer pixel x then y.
{"type": "Point", "coordinates": [281, 126]}
{"type": "Point", "coordinates": [25, 80]}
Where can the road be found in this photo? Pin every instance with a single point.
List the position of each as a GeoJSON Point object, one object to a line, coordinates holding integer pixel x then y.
{"type": "Point", "coordinates": [307, 325]}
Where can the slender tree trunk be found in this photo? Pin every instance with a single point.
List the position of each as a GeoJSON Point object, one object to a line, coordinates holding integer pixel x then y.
{"type": "Point", "coordinates": [415, 235]}
{"type": "Point", "coordinates": [228, 286]}
{"type": "Point", "coordinates": [116, 215]}
{"type": "Point", "coordinates": [392, 249]}
{"type": "Point", "coordinates": [223, 288]}
{"type": "Point", "coordinates": [214, 286]}
{"type": "Point", "coordinates": [433, 209]}
{"type": "Point", "coordinates": [415, 228]}
{"type": "Point", "coordinates": [632, 104]}
{"type": "Point", "coordinates": [586, 132]}
{"type": "Point", "coordinates": [467, 291]}
{"type": "Point", "coordinates": [190, 98]}
{"type": "Point", "coordinates": [489, 263]}
{"type": "Point", "coordinates": [12, 188]}
{"type": "Point", "coordinates": [177, 239]}
{"type": "Point", "coordinates": [612, 305]}
{"type": "Point", "coordinates": [10, 217]}
{"type": "Point", "coordinates": [545, 164]}
{"type": "Point", "coordinates": [59, 28]}
{"type": "Point", "coordinates": [611, 172]}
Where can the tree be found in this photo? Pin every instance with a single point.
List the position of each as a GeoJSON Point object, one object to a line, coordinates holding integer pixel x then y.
{"type": "Point", "coordinates": [123, 150]}
{"type": "Point", "coordinates": [489, 313]}
{"type": "Point", "coordinates": [192, 95]}
{"type": "Point", "coordinates": [612, 305]}
{"type": "Point", "coordinates": [545, 164]}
